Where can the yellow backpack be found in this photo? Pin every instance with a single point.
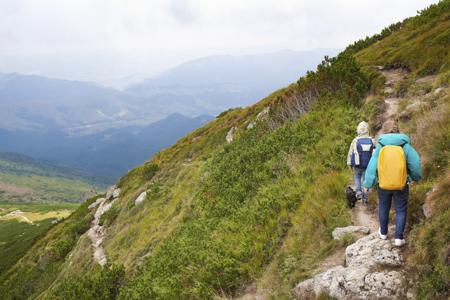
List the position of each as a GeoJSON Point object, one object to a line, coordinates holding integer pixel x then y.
{"type": "Point", "coordinates": [392, 167]}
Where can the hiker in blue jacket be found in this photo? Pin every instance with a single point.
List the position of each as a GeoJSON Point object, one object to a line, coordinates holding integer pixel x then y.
{"type": "Point", "coordinates": [358, 157]}
{"type": "Point", "coordinates": [392, 136]}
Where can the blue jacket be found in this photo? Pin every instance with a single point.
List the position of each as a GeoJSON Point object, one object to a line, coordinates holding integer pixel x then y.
{"type": "Point", "coordinates": [411, 155]}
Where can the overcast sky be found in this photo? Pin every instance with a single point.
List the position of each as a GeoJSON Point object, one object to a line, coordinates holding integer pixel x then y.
{"type": "Point", "coordinates": [102, 40]}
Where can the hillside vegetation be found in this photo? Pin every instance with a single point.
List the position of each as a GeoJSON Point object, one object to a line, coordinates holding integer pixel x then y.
{"type": "Point", "coordinates": [25, 180]}
{"type": "Point", "coordinates": [220, 219]}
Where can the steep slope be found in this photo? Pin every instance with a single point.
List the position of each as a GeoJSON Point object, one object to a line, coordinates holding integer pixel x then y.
{"type": "Point", "coordinates": [219, 217]}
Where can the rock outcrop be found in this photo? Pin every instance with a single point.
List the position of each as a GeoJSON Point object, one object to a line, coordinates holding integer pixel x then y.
{"type": "Point", "coordinates": [230, 135]}
{"type": "Point", "coordinates": [372, 271]}
{"type": "Point", "coordinates": [112, 192]}
{"type": "Point", "coordinates": [140, 198]}
{"type": "Point", "coordinates": [261, 115]}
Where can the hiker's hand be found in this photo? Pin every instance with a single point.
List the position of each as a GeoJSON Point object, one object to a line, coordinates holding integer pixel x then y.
{"type": "Point", "coordinates": [365, 190]}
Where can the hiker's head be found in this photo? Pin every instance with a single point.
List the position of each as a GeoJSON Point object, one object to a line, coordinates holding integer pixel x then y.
{"type": "Point", "coordinates": [363, 128]}
{"type": "Point", "coordinates": [390, 126]}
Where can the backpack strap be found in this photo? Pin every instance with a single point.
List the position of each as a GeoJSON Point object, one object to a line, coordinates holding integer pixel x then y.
{"type": "Point", "coordinates": [401, 145]}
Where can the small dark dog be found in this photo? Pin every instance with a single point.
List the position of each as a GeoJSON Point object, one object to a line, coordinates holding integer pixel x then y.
{"type": "Point", "coordinates": [351, 196]}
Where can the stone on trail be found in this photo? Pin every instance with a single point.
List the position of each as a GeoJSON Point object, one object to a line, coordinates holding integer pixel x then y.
{"type": "Point", "coordinates": [339, 232]}
{"type": "Point", "coordinates": [96, 203]}
{"type": "Point", "coordinates": [110, 191]}
{"type": "Point", "coordinates": [116, 193]}
{"type": "Point", "coordinates": [363, 276]}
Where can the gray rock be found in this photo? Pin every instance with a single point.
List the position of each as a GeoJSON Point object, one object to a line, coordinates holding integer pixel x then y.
{"type": "Point", "coordinates": [339, 232]}
{"type": "Point", "coordinates": [106, 206]}
{"type": "Point", "coordinates": [359, 280]}
{"type": "Point", "coordinates": [438, 90]}
{"type": "Point", "coordinates": [96, 203]}
{"type": "Point", "coordinates": [385, 284]}
{"type": "Point", "coordinates": [97, 232]}
{"type": "Point", "coordinates": [110, 191]}
{"type": "Point", "coordinates": [426, 208]}
{"type": "Point", "coordinates": [116, 193]}
{"type": "Point", "coordinates": [261, 115]}
{"type": "Point", "coordinates": [305, 289]}
{"type": "Point", "coordinates": [230, 135]}
{"type": "Point", "coordinates": [140, 198]}
{"type": "Point", "coordinates": [371, 250]}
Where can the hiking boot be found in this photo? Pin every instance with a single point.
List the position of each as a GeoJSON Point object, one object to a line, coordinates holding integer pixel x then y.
{"type": "Point", "coordinates": [382, 236]}
{"type": "Point", "coordinates": [359, 195]}
{"type": "Point", "coordinates": [399, 242]}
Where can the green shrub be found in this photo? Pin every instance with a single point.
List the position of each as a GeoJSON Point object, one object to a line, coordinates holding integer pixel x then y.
{"type": "Point", "coordinates": [99, 284]}
{"type": "Point", "coordinates": [372, 112]}
{"type": "Point", "coordinates": [430, 241]}
{"type": "Point", "coordinates": [401, 87]}
{"type": "Point", "coordinates": [138, 176]}
{"type": "Point", "coordinates": [109, 216]}
{"type": "Point", "coordinates": [419, 44]}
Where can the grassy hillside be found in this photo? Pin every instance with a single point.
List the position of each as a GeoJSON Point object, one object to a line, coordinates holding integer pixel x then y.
{"type": "Point", "coordinates": [23, 179]}
{"type": "Point", "coordinates": [221, 217]}
{"type": "Point", "coordinates": [19, 232]}
{"type": "Point", "coordinates": [33, 195]}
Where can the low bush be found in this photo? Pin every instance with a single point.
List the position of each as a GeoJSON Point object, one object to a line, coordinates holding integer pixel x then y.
{"type": "Point", "coordinates": [98, 284]}
{"type": "Point", "coordinates": [372, 112]}
{"type": "Point", "coordinates": [430, 242]}
{"type": "Point", "coordinates": [109, 216]}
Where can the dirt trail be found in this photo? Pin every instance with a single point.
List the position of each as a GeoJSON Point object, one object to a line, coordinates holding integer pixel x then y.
{"type": "Point", "coordinates": [392, 102]}
{"type": "Point", "coordinates": [362, 216]}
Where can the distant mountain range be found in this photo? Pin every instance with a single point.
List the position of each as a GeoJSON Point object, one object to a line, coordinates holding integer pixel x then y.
{"type": "Point", "coordinates": [89, 126]}
{"type": "Point", "coordinates": [213, 84]}
{"type": "Point", "coordinates": [203, 86]}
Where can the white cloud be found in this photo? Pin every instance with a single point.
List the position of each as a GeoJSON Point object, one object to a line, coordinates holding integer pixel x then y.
{"type": "Point", "coordinates": [94, 39]}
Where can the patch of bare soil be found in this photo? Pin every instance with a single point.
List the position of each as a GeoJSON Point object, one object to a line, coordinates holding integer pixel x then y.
{"type": "Point", "coordinates": [362, 216]}
{"type": "Point", "coordinates": [12, 188]}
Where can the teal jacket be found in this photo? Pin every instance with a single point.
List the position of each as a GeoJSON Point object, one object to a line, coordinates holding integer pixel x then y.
{"type": "Point", "coordinates": [411, 155]}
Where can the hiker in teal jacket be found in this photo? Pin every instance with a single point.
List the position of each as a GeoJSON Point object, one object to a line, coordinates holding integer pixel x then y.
{"type": "Point", "coordinates": [414, 172]}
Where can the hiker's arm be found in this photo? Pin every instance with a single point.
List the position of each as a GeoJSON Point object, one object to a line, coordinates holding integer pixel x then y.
{"type": "Point", "coordinates": [371, 171]}
{"type": "Point", "coordinates": [349, 155]}
{"type": "Point", "coordinates": [413, 162]}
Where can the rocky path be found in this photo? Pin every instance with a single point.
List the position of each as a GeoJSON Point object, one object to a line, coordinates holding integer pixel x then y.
{"type": "Point", "coordinates": [391, 100]}
{"type": "Point", "coordinates": [97, 232]}
{"type": "Point", "coordinates": [370, 268]}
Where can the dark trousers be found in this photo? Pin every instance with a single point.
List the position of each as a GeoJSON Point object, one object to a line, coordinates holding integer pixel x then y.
{"type": "Point", "coordinates": [401, 205]}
